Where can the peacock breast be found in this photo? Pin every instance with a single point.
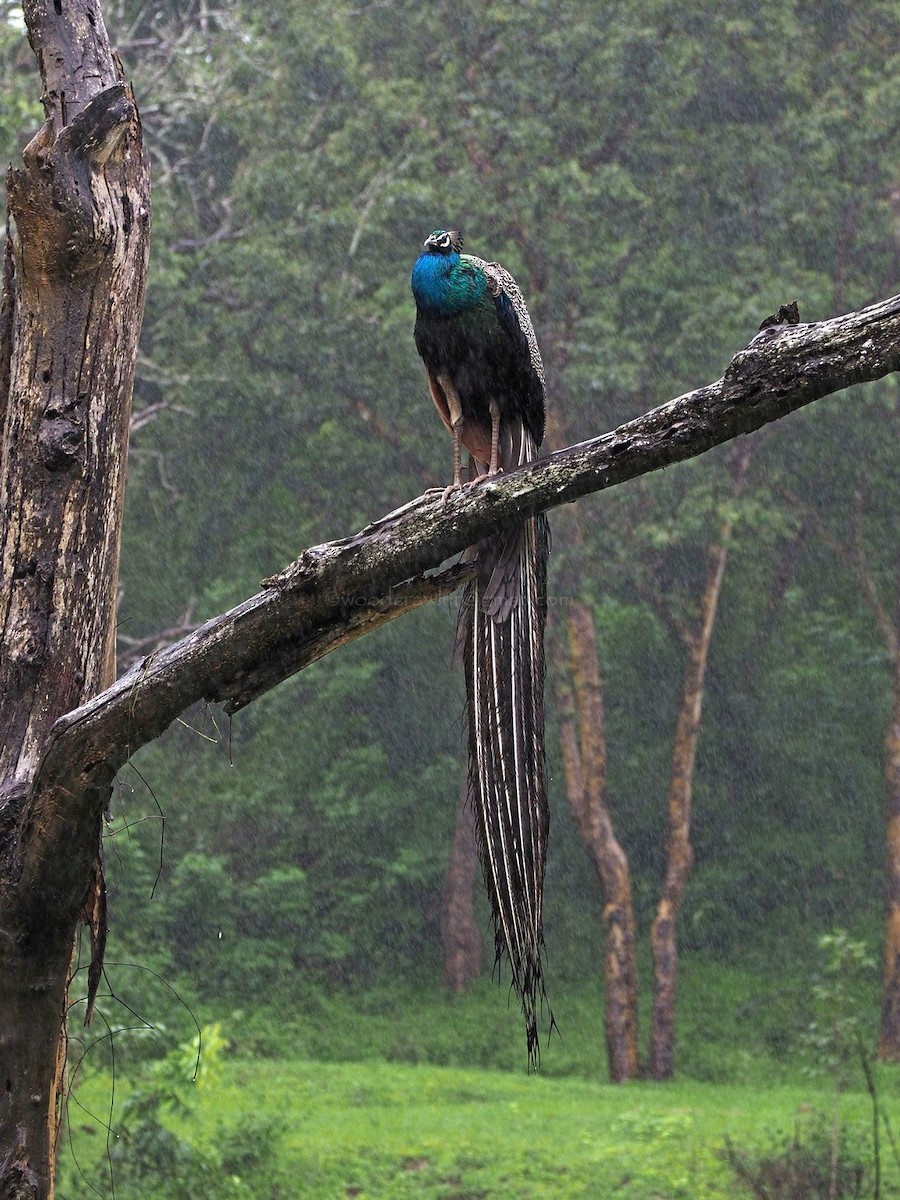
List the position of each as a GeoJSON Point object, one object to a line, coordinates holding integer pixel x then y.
{"type": "Point", "coordinates": [444, 288]}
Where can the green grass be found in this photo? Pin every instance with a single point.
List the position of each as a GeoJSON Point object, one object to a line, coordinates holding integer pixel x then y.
{"type": "Point", "coordinates": [393, 1094]}
{"type": "Point", "coordinates": [420, 1131]}
{"type": "Point", "coordinates": [377, 1130]}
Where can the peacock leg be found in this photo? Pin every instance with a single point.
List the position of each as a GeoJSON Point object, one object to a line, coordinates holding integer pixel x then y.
{"type": "Point", "coordinates": [494, 468]}
{"type": "Point", "coordinates": [454, 406]}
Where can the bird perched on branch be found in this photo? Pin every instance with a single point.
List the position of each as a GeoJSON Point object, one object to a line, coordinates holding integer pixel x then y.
{"type": "Point", "coordinates": [486, 379]}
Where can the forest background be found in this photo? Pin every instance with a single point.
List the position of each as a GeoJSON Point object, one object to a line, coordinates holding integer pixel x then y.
{"type": "Point", "coordinates": [659, 178]}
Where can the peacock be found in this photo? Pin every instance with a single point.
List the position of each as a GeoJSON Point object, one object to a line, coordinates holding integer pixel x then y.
{"type": "Point", "coordinates": [486, 379]}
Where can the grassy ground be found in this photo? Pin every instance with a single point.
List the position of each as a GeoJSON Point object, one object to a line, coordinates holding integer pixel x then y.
{"type": "Point", "coordinates": [387, 1095]}
{"type": "Point", "coordinates": [395, 1131]}
{"type": "Point", "coordinates": [381, 1131]}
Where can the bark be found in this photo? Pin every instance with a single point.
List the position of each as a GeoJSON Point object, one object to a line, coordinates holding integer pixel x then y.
{"type": "Point", "coordinates": [74, 273]}
{"type": "Point", "coordinates": [679, 853]}
{"type": "Point", "coordinates": [459, 929]}
{"type": "Point", "coordinates": [583, 744]}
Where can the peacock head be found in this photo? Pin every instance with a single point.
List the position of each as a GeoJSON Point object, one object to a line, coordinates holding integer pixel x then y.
{"type": "Point", "coordinates": [444, 241]}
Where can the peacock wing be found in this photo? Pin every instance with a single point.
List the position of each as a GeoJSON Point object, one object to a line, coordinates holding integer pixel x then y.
{"type": "Point", "coordinates": [513, 315]}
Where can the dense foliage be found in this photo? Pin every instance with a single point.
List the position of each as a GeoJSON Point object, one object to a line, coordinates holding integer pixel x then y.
{"type": "Point", "coordinates": [659, 177]}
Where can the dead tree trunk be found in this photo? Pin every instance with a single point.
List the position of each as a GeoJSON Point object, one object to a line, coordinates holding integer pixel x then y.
{"type": "Point", "coordinates": [73, 289]}
{"type": "Point", "coordinates": [460, 935]}
{"type": "Point", "coordinates": [679, 853]}
{"type": "Point", "coordinates": [583, 742]}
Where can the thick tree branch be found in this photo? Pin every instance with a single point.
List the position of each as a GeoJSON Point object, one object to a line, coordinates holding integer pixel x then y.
{"type": "Point", "coordinates": [339, 591]}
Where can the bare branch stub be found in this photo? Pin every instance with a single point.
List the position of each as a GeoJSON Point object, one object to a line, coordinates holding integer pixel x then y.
{"type": "Point", "coordinates": [74, 56]}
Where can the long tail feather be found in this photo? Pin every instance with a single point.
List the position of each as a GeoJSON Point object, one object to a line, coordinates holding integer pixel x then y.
{"type": "Point", "coordinates": [502, 634]}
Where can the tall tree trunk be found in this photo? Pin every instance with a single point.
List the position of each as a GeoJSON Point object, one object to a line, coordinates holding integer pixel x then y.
{"type": "Point", "coordinates": [583, 742]}
{"type": "Point", "coordinates": [679, 852]}
{"type": "Point", "coordinates": [582, 737]}
{"type": "Point", "coordinates": [74, 273]}
{"type": "Point", "coordinates": [459, 929]}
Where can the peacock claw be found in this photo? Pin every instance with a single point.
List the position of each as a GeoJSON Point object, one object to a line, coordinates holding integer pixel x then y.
{"type": "Point", "coordinates": [458, 485]}
{"type": "Point", "coordinates": [446, 492]}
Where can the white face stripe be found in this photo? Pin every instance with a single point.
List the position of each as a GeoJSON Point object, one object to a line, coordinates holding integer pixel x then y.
{"type": "Point", "coordinates": [441, 242]}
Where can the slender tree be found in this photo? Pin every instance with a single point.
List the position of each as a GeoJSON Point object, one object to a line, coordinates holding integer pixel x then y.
{"type": "Point", "coordinates": [584, 754]}
{"type": "Point", "coordinates": [583, 744]}
{"type": "Point", "coordinates": [679, 852]}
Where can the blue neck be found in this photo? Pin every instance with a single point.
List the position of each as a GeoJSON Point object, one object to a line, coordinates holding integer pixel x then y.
{"type": "Point", "coordinates": [443, 286]}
